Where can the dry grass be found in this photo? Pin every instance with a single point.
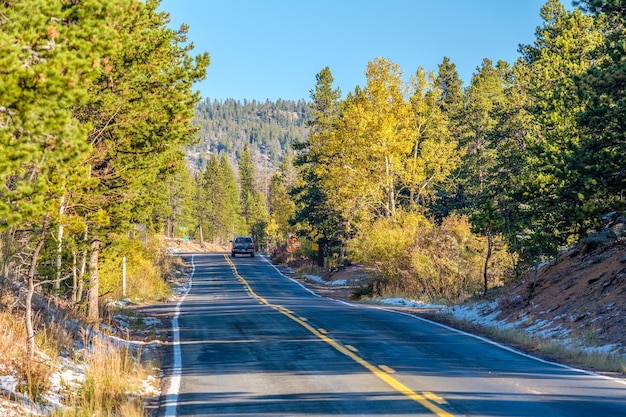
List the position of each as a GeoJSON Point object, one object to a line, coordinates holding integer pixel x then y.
{"type": "Point", "coordinates": [33, 375]}
{"type": "Point", "coordinates": [554, 350]}
{"type": "Point", "coordinates": [112, 374]}
{"type": "Point", "coordinates": [111, 384]}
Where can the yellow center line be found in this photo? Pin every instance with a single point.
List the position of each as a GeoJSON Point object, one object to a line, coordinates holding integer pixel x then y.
{"type": "Point", "coordinates": [387, 369]}
{"type": "Point", "coordinates": [384, 376]}
{"type": "Point", "coordinates": [434, 397]}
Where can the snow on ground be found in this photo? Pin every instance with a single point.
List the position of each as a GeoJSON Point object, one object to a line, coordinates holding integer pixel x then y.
{"type": "Point", "coordinates": [403, 302]}
{"type": "Point", "coordinates": [68, 374]}
{"type": "Point", "coordinates": [10, 408]}
{"type": "Point", "coordinates": [486, 314]}
{"type": "Point", "coordinates": [319, 280]}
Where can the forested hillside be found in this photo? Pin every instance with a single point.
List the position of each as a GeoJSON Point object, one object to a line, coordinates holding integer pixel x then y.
{"type": "Point", "coordinates": [269, 128]}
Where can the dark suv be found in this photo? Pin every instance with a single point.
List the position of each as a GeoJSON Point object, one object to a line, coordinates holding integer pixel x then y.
{"type": "Point", "coordinates": [242, 245]}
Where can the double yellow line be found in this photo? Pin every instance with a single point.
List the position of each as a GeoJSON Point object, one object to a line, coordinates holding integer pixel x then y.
{"type": "Point", "coordinates": [383, 372]}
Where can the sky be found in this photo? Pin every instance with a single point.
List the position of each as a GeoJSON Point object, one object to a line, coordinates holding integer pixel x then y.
{"type": "Point", "coordinates": [273, 49]}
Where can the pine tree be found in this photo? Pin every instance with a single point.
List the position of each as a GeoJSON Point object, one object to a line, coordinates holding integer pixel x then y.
{"type": "Point", "coordinates": [451, 97]}
{"type": "Point", "coordinates": [282, 210]}
{"type": "Point", "coordinates": [41, 143]}
{"type": "Point", "coordinates": [247, 189]}
{"type": "Point", "coordinates": [316, 210]}
{"type": "Point", "coordinates": [233, 223]}
{"type": "Point", "coordinates": [601, 155]}
{"type": "Point", "coordinates": [207, 201]}
{"type": "Point", "coordinates": [553, 191]}
{"type": "Point", "coordinates": [140, 109]}
{"type": "Point", "coordinates": [180, 202]}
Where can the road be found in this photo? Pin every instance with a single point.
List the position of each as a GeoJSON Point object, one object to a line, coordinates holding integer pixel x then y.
{"type": "Point", "coordinates": [248, 341]}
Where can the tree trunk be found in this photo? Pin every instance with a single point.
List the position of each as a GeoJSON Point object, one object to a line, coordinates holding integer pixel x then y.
{"type": "Point", "coordinates": [93, 312]}
{"type": "Point", "coordinates": [30, 331]}
{"type": "Point", "coordinates": [57, 282]}
{"type": "Point", "coordinates": [487, 257]}
{"type": "Point", "coordinates": [168, 228]}
{"type": "Point", "coordinates": [6, 258]}
{"type": "Point", "coordinates": [83, 269]}
{"type": "Point", "coordinates": [74, 276]}
{"type": "Point", "coordinates": [320, 254]}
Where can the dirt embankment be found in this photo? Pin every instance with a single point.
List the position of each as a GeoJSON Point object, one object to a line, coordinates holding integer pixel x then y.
{"type": "Point", "coordinates": [581, 294]}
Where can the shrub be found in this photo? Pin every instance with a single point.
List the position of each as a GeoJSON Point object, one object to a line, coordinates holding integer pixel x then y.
{"type": "Point", "coordinates": [146, 267]}
{"type": "Point", "coordinates": [418, 258]}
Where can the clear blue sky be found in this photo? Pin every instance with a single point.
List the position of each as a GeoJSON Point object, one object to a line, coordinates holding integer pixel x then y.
{"type": "Point", "coordinates": [271, 49]}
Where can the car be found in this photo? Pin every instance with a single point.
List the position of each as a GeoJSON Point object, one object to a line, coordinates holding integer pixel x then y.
{"type": "Point", "coordinates": [242, 245]}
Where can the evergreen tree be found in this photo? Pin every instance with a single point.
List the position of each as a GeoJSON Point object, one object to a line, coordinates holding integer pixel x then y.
{"type": "Point", "coordinates": [247, 188]}
{"type": "Point", "coordinates": [41, 143]}
{"type": "Point", "coordinates": [316, 211]}
{"type": "Point", "coordinates": [450, 194]}
{"type": "Point", "coordinates": [553, 193]}
{"type": "Point", "coordinates": [233, 223]}
{"type": "Point", "coordinates": [601, 155]}
{"type": "Point", "coordinates": [140, 110]}
{"type": "Point", "coordinates": [207, 196]}
{"type": "Point", "coordinates": [180, 205]}
{"type": "Point", "coordinates": [451, 96]}
{"type": "Point", "coordinates": [282, 210]}
{"type": "Point", "coordinates": [483, 97]}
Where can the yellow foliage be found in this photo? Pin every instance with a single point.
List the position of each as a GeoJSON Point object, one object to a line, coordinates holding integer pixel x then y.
{"type": "Point", "coordinates": [418, 258]}
{"type": "Point", "coordinates": [145, 270]}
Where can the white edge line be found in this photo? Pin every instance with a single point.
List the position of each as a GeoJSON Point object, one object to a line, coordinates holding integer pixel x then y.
{"type": "Point", "coordinates": [292, 279]}
{"type": "Point", "coordinates": [491, 342]}
{"type": "Point", "coordinates": [171, 399]}
{"type": "Point", "coordinates": [510, 349]}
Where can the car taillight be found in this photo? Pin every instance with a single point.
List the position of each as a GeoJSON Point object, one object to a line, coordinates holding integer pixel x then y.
{"type": "Point", "coordinates": [253, 246]}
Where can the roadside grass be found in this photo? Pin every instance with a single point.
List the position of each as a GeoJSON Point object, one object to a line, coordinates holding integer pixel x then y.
{"type": "Point", "coordinates": [111, 384]}
{"type": "Point", "coordinates": [32, 376]}
{"type": "Point", "coordinates": [303, 267]}
{"type": "Point", "coordinates": [551, 349]}
{"type": "Point", "coordinates": [103, 378]}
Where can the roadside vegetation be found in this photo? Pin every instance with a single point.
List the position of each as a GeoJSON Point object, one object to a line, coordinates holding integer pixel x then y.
{"type": "Point", "coordinates": [84, 370]}
{"type": "Point", "coordinates": [95, 110]}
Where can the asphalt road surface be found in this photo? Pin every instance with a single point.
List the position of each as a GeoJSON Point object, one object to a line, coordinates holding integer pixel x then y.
{"type": "Point", "coordinates": [248, 341]}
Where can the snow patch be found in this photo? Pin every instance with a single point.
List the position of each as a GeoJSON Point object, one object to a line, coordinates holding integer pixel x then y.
{"type": "Point", "coordinates": [403, 302]}
{"type": "Point", "coordinates": [319, 280]}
